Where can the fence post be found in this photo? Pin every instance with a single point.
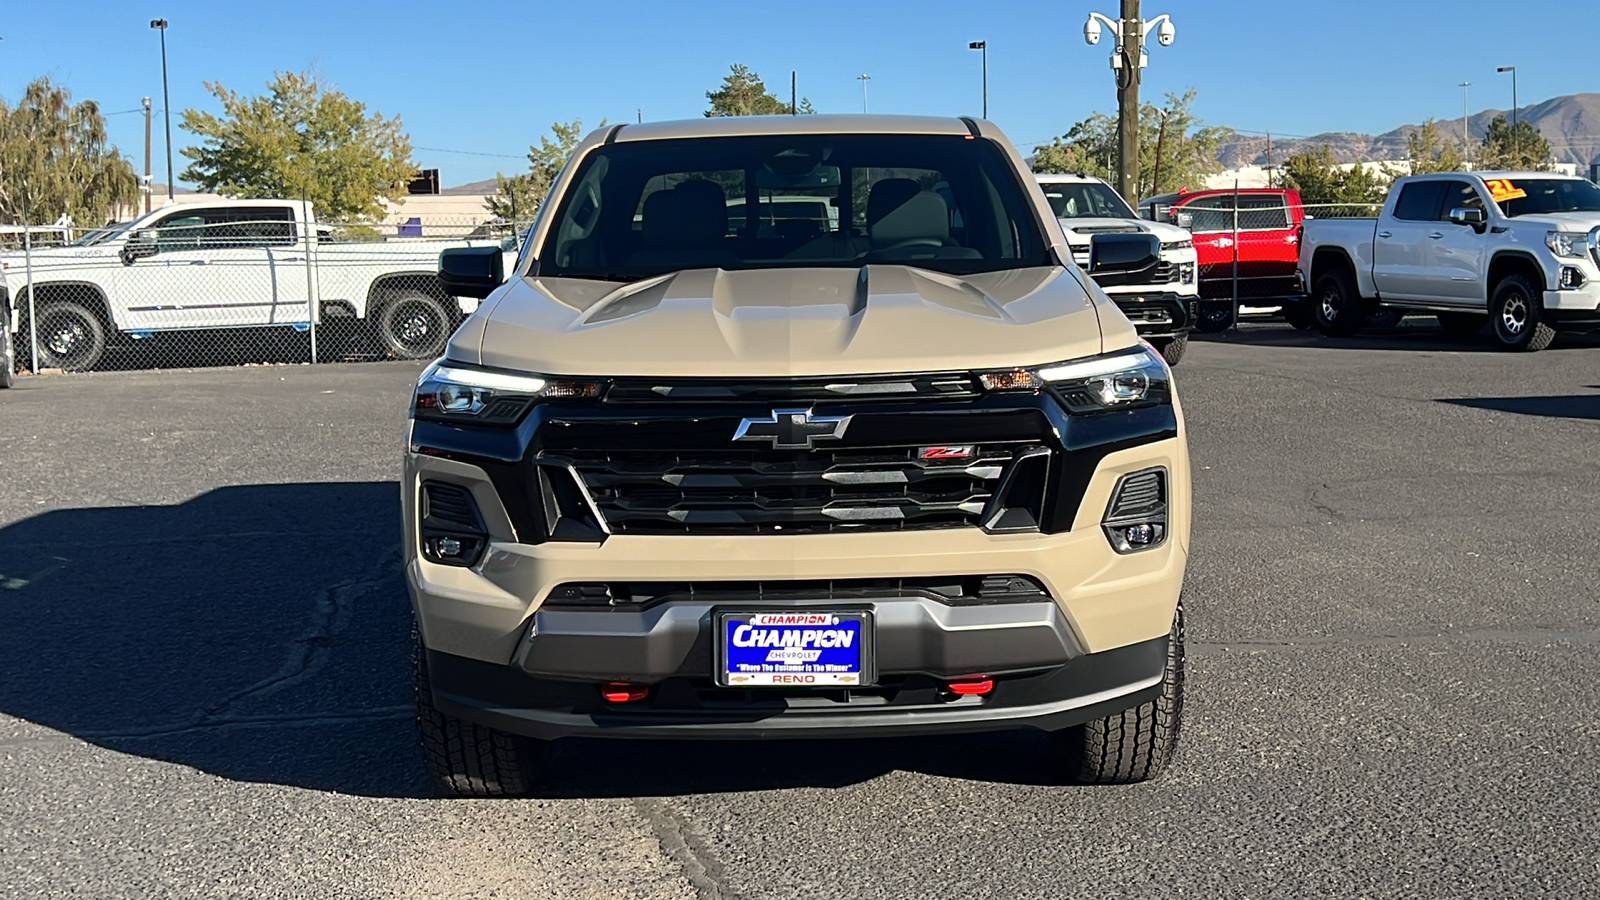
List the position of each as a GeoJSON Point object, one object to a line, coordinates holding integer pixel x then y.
{"type": "Point", "coordinates": [313, 308]}
{"type": "Point", "coordinates": [1235, 323]}
{"type": "Point", "coordinates": [27, 257]}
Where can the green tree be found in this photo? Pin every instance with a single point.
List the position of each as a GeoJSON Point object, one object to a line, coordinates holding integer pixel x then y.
{"type": "Point", "coordinates": [300, 139]}
{"type": "Point", "coordinates": [519, 196]}
{"type": "Point", "coordinates": [743, 94]}
{"type": "Point", "coordinates": [54, 160]}
{"type": "Point", "coordinates": [1175, 148]}
{"type": "Point", "coordinates": [1320, 180]}
{"type": "Point", "coordinates": [1522, 147]}
{"type": "Point", "coordinates": [1428, 151]}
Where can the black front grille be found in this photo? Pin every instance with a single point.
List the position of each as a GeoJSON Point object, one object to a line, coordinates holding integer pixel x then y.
{"type": "Point", "coordinates": [920, 387]}
{"type": "Point", "coordinates": [950, 590]}
{"type": "Point", "coordinates": [761, 491]}
{"type": "Point", "coordinates": [1163, 272]}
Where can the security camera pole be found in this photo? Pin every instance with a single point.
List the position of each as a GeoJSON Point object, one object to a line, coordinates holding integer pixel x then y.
{"type": "Point", "coordinates": [1128, 60]}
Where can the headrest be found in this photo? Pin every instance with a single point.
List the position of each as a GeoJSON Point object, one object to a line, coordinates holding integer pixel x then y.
{"type": "Point", "coordinates": [887, 195]}
{"type": "Point", "coordinates": [693, 214]}
{"type": "Point", "coordinates": [922, 220]}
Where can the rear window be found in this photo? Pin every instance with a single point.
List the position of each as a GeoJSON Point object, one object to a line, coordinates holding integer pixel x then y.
{"type": "Point", "coordinates": [1256, 212]}
{"type": "Point", "coordinates": [637, 209]}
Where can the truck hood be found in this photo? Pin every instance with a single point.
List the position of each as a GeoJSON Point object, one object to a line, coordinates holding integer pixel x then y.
{"type": "Point", "coordinates": [1080, 230]}
{"type": "Point", "coordinates": [1563, 221]}
{"type": "Point", "coordinates": [785, 322]}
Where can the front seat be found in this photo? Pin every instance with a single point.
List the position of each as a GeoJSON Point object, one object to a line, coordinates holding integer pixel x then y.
{"type": "Point", "coordinates": [917, 229]}
{"type": "Point", "coordinates": [684, 228]}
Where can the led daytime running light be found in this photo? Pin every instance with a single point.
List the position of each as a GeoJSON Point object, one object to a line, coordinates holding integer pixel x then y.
{"type": "Point", "coordinates": [494, 381]}
{"type": "Point", "coordinates": [1104, 365]}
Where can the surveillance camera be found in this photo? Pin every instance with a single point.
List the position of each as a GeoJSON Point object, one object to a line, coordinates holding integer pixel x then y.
{"type": "Point", "coordinates": [1166, 33]}
{"type": "Point", "coordinates": [1091, 32]}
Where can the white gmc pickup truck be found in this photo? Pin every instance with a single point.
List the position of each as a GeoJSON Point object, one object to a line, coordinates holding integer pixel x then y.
{"type": "Point", "coordinates": [1517, 250]}
{"type": "Point", "coordinates": [229, 264]}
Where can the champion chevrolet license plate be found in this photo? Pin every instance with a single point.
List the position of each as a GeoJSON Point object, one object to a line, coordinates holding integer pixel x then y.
{"type": "Point", "coordinates": [823, 648]}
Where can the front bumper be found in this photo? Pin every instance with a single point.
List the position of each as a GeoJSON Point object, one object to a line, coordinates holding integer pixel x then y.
{"type": "Point", "coordinates": [1574, 310]}
{"type": "Point", "coordinates": [1158, 313]}
{"type": "Point", "coordinates": [1081, 688]}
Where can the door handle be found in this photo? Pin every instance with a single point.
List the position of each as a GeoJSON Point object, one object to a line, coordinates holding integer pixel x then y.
{"type": "Point", "coordinates": [293, 259]}
{"type": "Point", "coordinates": [1436, 234]}
{"type": "Point", "coordinates": [197, 262]}
{"type": "Point", "coordinates": [1385, 234]}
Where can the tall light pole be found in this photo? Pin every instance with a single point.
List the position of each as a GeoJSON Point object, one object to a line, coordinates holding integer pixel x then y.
{"type": "Point", "coordinates": [166, 98]}
{"type": "Point", "coordinates": [1515, 141]}
{"type": "Point", "coordinates": [863, 79]}
{"type": "Point", "coordinates": [984, 46]}
{"type": "Point", "coordinates": [1128, 60]}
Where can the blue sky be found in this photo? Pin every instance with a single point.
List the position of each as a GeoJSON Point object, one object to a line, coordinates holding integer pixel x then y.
{"type": "Point", "coordinates": [489, 77]}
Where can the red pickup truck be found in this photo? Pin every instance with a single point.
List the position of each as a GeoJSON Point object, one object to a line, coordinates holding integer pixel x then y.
{"type": "Point", "coordinates": [1258, 227]}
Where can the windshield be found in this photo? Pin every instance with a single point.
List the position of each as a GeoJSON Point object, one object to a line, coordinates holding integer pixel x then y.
{"type": "Point", "coordinates": [1520, 197]}
{"type": "Point", "coordinates": [1085, 200]}
{"type": "Point", "coordinates": [99, 235]}
{"type": "Point", "coordinates": [638, 209]}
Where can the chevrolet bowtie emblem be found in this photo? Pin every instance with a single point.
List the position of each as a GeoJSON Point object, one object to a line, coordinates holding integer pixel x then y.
{"type": "Point", "coordinates": [792, 429]}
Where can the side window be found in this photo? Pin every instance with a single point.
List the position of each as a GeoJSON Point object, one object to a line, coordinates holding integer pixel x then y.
{"type": "Point", "coordinates": [249, 226]}
{"type": "Point", "coordinates": [1459, 195]}
{"type": "Point", "coordinates": [1263, 212]}
{"type": "Point", "coordinates": [1209, 215]}
{"type": "Point", "coordinates": [1420, 201]}
{"type": "Point", "coordinates": [180, 231]}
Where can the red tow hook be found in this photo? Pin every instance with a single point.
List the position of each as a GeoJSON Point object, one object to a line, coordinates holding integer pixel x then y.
{"type": "Point", "coordinates": [970, 687]}
{"type": "Point", "coordinates": [624, 691]}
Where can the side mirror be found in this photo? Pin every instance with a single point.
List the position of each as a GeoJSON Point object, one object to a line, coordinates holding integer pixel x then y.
{"type": "Point", "coordinates": [1123, 254]}
{"type": "Point", "coordinates": [472, 271]}
{"type": "Point", "coordinates": [1185, 219]}
{"type": "Point", "coordinates": [140, 244]}
{"type": "Point", "coordinates": [1468, 215]}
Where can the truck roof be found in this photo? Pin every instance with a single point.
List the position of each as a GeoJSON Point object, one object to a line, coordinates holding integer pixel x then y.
{"type": "Point", "coordinates": [1493, 173]}
{"type": "Point", "coordinates": [746, 126]}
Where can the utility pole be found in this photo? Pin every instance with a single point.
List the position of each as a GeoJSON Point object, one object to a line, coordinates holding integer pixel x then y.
{"type": "Point", "coordinates": [863, 78]}
{"type": "Point", "coordinates": [1127, 63]}
{"type": "Point", "coordinates": [1129, 51]}
{"type": "Point", "coordinates": [1466, 138]}
{"type": "Point", "coordinates": [166, 98]}
{"type": "Point", "coordinates": [1161, 138]}
{"type": "Point", "coordinates": [146, 186]}
{"type": "Point", "coordinates": [984, 46]}
{"type": "Point", "coordinates": [1270, 167]}
{"type": "Point", "coordinates": [1516, 139]}
{"type": "Point", "coordinates": [794, 93]}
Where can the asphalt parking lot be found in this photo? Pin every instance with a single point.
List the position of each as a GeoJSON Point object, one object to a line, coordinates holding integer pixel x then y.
{"type": "Point", "coordinates": [1395, 646]}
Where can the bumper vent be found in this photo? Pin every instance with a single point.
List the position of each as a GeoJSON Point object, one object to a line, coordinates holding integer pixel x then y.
{"type": "Point", "coordinates": [758, 491]}
{"type": "Point", "coordinates": [452, 529]}
{"type": "Point", "coordinates": [1136, 518]}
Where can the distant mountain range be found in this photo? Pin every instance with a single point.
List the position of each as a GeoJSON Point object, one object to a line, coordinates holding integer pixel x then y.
{"type": "Point", "coordinates": [1571, 124]}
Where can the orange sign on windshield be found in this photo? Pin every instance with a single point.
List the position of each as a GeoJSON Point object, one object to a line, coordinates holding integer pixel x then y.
{"type": "Point", "coordinates": [1501, 189]}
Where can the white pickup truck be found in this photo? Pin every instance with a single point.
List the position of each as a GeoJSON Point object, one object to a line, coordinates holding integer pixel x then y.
{"type": "Point", "coordinates": [1517, 250]}
{"type": "Point", "coordinates": [230, 264]}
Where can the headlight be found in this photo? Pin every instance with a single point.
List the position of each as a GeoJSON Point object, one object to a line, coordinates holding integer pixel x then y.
{"type": "Point", "coordinates": [1177, 245]}
{"type": "Point", "coordinates": [451, 392]}
{"type": "Point", "coordinates": [1566, 243]}
{"type": "Point", "coordinates": [1134, 377]}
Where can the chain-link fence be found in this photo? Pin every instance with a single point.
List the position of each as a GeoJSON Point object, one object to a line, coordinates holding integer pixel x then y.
{"type": "Point", "coordinates": [1248, 246]}
{"type": "Point", "coordinates": [233, 282]}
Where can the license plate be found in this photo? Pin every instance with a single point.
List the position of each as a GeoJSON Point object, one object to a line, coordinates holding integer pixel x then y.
{"type": "Point", "coordinates": [825, 648]}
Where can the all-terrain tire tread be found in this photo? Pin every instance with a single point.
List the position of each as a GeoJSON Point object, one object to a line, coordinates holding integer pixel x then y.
{"type": "Point", "coordinates": [1136, 744]}
{"type": "Point", "coordinates": [466, 759]}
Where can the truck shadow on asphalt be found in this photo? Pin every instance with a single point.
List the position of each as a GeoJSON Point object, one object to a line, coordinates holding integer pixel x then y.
{"type": "Point", "coordinates": [261, 633]}
{"type": "Point", "coordinates": [1570, 406]}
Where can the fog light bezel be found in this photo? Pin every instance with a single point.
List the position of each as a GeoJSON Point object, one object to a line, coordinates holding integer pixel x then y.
{"type": "Point", "coordinates": [1116, 526]}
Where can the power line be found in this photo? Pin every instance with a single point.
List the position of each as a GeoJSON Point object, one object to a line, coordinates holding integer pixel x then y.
{"type": "Point", "coordinates": [472, 152]}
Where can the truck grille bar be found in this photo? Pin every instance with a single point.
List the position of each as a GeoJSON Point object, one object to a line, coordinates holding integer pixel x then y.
{"type": "Point", "coordinates": [760, 491]}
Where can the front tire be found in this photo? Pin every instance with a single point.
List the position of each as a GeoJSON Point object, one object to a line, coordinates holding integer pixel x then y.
{"type": "Point", "coordinates": [469, 760]}
{"type": "Point", "coordinates": [71, 337]}
{"type": "Point", "coordinates": [1136, 744]}
{"type": "Point", "coordinates": [1336, 305]}
{"type": "Point", "coordinates": [1517, 313]}
{"type": "Point", "coordinates": [414, 325]}
{"type": "Point", "coordinates": [1171, 349]}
